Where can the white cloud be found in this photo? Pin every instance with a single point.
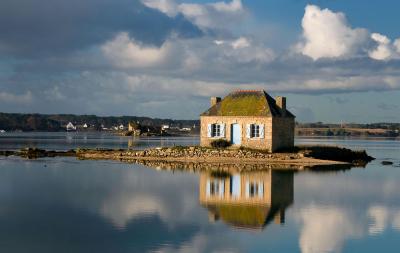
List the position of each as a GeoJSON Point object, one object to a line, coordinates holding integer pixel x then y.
{"type": "Point", "coordinates": [54, 94]}
{"type": "Point", "coordinates": [379, 216]}
{"type": "Point", "coordinates": [241, 42]}
{"type": "Point", "coordinates": [173, 86]}
{"type": "Point", "coordinates": [338, 84]}
{"type": "Point", "coordinates": [383, 50]}
{"type": "Point", "coordinates": [325, 229]}
{"type": "Point", "coordinates": [234, 6]}
{"type": "Point", "coordinates": [210, 15]}
{"type": "Point", "coordinates": [127, 53]}
{"type": "Point", "coordinates": [242, 50]}
{"type": "Point", "coordinates": [168, 7]}
{"type": "Point", "coordinates": [397, 45]}
{"type": "Point", "coordinates": [396, 220]}
{"type": "Point", "coordinates": [7, 97]}
{"type": "Point", "coordinates": [120, 210]}
{"type": "Point", "coordinates": [327, 34]}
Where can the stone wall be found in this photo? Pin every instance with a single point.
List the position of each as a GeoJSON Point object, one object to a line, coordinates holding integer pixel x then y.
{"type": "Point", "coordinates": [278, 132]}
{"type": "Point", "coordinates": [256, 143]}
{"type": "Point", "coordinates": [261, 177]}
{"type": "Point", "coordinates": [282, 133]}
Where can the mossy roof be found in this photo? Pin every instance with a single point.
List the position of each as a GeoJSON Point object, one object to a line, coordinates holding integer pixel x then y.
{"type": "Point", "coordinates": [244, 215]}
{"type": "Point", "coordinates": [247, 103]}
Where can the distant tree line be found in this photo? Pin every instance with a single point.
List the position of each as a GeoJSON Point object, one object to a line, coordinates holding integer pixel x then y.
{"type": "Point", "coordinates": [352, 129]}
{"type": "Point", "coordinates": [382, 125]}
{"type": "Point", "coordinates": [57, 122]}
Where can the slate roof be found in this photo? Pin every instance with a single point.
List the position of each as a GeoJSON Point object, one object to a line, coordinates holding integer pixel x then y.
{"type": "Point", "coordinates": [247, 103]}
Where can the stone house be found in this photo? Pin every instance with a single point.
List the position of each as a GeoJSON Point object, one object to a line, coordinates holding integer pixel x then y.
{"type": "Point", "coordinates": [248, 200]}
{"type": "Point", "coordinates": [249, 118]}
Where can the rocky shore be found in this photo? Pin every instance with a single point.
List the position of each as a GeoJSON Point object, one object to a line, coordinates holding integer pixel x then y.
{"type": "Point", "coordinates": [34, 153]}
{"type": "Point", "coordinates": [236, 167]}
{"type": "Point", "coordinates": [300, 156]}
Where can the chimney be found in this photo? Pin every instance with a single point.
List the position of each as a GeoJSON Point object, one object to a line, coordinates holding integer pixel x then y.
{"type": "Point", "coordinates": [279, 218]}
{"type": "Point", "coordinates": [215, 100]}
{"type": "Point", "coordinates": [281, 103]}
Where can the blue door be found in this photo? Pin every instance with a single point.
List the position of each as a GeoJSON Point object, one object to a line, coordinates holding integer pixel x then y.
{"type": "Point", "coordinates": [236, 135]}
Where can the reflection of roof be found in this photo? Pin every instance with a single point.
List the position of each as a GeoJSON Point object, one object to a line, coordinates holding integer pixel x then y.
{"type": "Point", "coordinates": [244, 216]}
{"type": "Point", "coordinates": [247, 103]}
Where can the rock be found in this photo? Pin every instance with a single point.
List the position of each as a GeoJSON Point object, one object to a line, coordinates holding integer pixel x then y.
{"type": "Point", "coordinates": [387, 163]}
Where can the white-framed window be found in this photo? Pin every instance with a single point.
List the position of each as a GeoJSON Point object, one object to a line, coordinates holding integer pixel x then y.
{"type": "Point", "coordinates": [255, 131]}
{"type": "Point", "coordinates": [215, 188]}
{"type": "Point", "coordinates": [254, 189]}
{"type": "Point", "coordinates": [216, 130]}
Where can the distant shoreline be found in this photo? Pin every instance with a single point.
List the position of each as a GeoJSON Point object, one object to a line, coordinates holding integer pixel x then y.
{"type": "Point", "coordinates": [11, 122]}
{"type": "Point", "coordinates": [183, 134]}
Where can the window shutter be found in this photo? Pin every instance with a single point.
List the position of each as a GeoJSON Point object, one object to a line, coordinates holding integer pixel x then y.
{"type": "Point", "coordinates": [221, 188]}
{"type": "Point", "coordinates": [248, 131]}
{"type": "Point", "coordinates": [222, 127]}
{"type": "Point", "coordinates": [208, 188]}
{"type": "Point", "coordinates": [262, 131]}
{"type": "Point", "coordinates": [209, 130]}
{"type": "Point", "coordinates": [260, 189]}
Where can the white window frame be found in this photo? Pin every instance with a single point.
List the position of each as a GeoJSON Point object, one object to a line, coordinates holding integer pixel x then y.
{"type": "Point", "coordinates": [216, 130]}
{"type": "Point", "coordinates": [215, 188]}
{"type": "Point", "coordinates": [255, 131]}
{"type": "Point", "coordinates": [254, 189]}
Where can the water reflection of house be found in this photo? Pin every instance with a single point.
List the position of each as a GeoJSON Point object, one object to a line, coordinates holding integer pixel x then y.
{"type": "Point", "coordinates": [247, 200]}
{"type": "Point", "coordinates": [132, 142]}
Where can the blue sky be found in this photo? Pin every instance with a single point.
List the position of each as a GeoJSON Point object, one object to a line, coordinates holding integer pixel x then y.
{"type": "Point", "coordinates": [335, 60]}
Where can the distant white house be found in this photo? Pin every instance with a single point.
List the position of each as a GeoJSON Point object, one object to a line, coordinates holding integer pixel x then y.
{"type": "Point", "coordinates": [85, 125]}
{"type": "Point", "coordinates": [163, 127]}
{"type": "Point", "coordinates": [70, 127]}
{"type": "Point", "coordinates": [2, 131]}
{"type": "Point", "coordinates": [121, 127]}
{"type": "Point", "coordinates": [185, 129]}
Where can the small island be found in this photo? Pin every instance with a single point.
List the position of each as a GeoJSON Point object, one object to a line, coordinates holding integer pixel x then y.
{"type": "Point", "coordinates": [299, 157]}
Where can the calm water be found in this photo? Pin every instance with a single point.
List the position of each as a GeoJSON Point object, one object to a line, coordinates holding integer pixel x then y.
{"type": "Point", "coordinates": [66, 205]}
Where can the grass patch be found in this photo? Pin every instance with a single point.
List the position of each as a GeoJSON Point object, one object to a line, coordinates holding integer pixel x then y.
{"type": "Point", "coordinates": [333, 153]}
{"type": "Point", "coordinates": [220, 143]}
{"type": "Point", "coordinates": [244, 105]}
{"type": "Point", "coordinates": [254, 150]}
